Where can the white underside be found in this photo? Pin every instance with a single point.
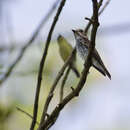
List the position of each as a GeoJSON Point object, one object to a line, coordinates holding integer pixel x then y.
{"type": "Point", "coordinates": [83, 52]}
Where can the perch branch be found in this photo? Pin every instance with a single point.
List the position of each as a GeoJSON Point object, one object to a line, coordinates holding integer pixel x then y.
{"type": "Point", "coordinates": [61, 72]}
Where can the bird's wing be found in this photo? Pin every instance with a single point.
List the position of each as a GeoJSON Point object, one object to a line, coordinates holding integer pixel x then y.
{"type": "Point", "coordinates": [84, 41]}
{"type": "Point", "coordinates": [98, 58]}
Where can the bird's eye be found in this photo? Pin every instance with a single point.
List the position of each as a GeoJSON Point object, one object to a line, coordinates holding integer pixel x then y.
{"type": "Point", "coordinates": [81, 30]}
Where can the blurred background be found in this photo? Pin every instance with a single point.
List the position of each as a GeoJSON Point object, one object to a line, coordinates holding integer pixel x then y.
{"type": "Point", "coordinates": [103, 103]}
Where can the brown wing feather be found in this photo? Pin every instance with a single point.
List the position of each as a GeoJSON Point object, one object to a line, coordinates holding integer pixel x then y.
{"type": "Point", "coordinates": [101, 71]}
{"type": "Point", "coordinates": [97, 56]}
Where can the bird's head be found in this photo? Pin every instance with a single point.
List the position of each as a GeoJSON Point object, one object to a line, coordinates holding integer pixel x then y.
{"type": "Point", "coordinates": [78, 33]}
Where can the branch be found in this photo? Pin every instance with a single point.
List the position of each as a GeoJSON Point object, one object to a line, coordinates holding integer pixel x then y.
{"type": "Point", "coordinates": [55, 113]}
{"type": "Point", "coordinates": [63, 84]}
{"type": "Point", "coordinates": [19, 109]}
{"type": "Point", "coordinates": [42, 64]}
{"type": "Point", "coordinates": [104, 7]}
{"type": "Point", "coordinates": [48, 100]}
{"type": "Point", "coordinates": [100, 12]}
{"type": "Point", "coordinates": [25, 47]}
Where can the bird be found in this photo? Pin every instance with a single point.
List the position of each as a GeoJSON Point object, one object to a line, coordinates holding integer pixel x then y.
{"type": "Point", "coordinates": [65, 50]}
{"type": "Point", "coordinates": [82, 45]}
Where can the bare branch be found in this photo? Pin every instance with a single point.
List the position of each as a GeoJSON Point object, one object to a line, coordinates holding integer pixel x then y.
{"type": "Point", "coordinates": [63, 84]}
{"type": "Point", "coordinates": [35, 110]}
{"type": "Point", "coordinates": [100, 12]}
{"type": "Point", "coordinates": [89, 19]}
{"type": "Point", "coordinates": [54, 86]}
{"type": "Point", "coordinates": [104, 7]}
{"type": "Point", "coordinates": [19, 109]}
{"type": "Point", "coordinates": [25, 47]}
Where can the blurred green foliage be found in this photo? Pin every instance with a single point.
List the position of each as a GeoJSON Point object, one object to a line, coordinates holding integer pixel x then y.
{"type": "Point", "coordinates": [5, 114]}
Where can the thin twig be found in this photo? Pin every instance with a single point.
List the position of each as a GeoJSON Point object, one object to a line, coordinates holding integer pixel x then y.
{"type": "Point", "coordinates": [100, 12]}
{"type": "Point", "coordinates": [63, 84]}
{"type": "Point", "coordinates": [67, 62]}
{"type": "Point", "coordinates": [35, 110]}
{"type": "Point", "coordinates": [26, 113]}
{"type": "Point", "coordinates": [25, 47]}
{"type": "Point", "coordinates": [55, 113]}
{"type": "Point", "coordinates": [104, 7]}
{"type": "Point", "coordinates": [89, 19]}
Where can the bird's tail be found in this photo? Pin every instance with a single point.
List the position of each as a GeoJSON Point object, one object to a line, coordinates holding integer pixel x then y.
{"type": "Point", "coordinates": [107, 73]}
{"type": "Point", "coordinates": [103, 71]}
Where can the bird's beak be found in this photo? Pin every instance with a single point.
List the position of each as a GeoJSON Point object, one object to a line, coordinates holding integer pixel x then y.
{"type": "Point", "coordinates": [73, 31]}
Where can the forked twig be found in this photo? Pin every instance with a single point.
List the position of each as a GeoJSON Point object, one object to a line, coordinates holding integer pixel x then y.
{"type": "Point", "coordinates": [104, 7]}
{"type": "Point", "coordinates": [26, 113]}
{"type": "Point", "coordinates": [100, 12]}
